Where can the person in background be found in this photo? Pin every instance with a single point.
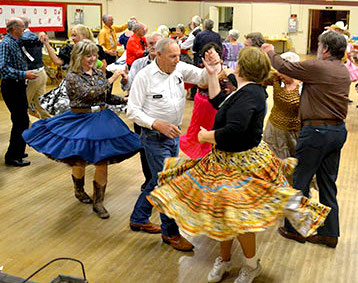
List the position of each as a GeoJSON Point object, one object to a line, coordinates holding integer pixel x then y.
{"type": "Point", "coordinates": [231, 49]}
{"type": "Point", "coordinates": [78, 33]}
{"type": "Point", "coordinates": [82, 135]}
{"type": "Point", "coordinates": [137, 44]}
{"type": "Point", "coordinates": [107, 38]}
{"type": "Point", "coordinates": [255, 39]}
{"type": "Point", "coordinates": [188, 44]}
{"type": "Point", "coordinates": [14, 71]}
{"type": "Point", "coordinates": [180, 38]}
{"type": "Point", "coordinates": [32, 48]}
{"type": "Point", "coordinates": [127, 80]}
{"type": "Point", "coordinates": [205, 37]}
{"type": "Point", "coordinates": [239, 188]}
{"type": "Point", "coordinates": [323, 109]}
{"type": "Point", "coordinates": [123, 39]}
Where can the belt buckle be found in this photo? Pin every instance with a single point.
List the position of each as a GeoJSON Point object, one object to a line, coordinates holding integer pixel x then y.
{"type": "Point", "coordinates": [95, 108]}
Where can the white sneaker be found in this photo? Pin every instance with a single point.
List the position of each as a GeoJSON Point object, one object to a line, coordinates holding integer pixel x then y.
{"type": "Point", "coordinates": [247, 274]}
{"type": "Point", "coordinates": [219, 268]}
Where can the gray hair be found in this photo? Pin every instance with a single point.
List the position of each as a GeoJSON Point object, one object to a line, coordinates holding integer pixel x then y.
{"type": "Point", "coordinates": [256, 38]}
{"type": "Point", "coordinates": [131, 24]}
{"type": "Point", "coordinates": [196, 20]}
{"type": "Point", "coordinates": [12, 23]}
{"type": "Point", "coordinates": [26, 21]}
{"type": "Point", "coordinates": [155, 34]}
{"type": "Point", "coordinates": [234, 34]}
{"type": "Point", "coordinates": [163, 44]}
{"type": "Point", "coordinates": [181, 27]}
{"type": "Point", "coordinates": [105, 18]}
{"type": "Point", "coordinates": [208, 24]}
{"type": "Point", "coordinates": [335, 43]}
{"type": "Point", "coordinates": [137, 26]}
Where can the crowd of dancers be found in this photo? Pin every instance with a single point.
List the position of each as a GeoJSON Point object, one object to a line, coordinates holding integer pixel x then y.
{"type": "Point", "coordinates": [240, 178]}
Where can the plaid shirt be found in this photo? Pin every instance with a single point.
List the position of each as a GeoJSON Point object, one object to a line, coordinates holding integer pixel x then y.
{"type": "Point", "coordinates": [12, 63]}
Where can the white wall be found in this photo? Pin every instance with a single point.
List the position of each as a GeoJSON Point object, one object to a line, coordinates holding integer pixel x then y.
{"type": "Point", "coordinates": [271, 19]}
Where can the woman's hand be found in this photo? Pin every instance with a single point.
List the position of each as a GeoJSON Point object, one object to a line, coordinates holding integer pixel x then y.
{"type": "Point", "coordinates": [212, 62]}
{"type": "Point", "coordinates": [201, 135]}
{"type": "Point", "coordinates": [206, 136]}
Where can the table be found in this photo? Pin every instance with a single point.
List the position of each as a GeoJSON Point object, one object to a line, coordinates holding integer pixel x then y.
{"type": "Point", "coordinates": [282, 40]}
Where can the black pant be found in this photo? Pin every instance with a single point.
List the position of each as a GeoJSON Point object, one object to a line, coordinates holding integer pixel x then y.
{"type": "Point", "coordinates": [318, 152]}
{"type": "Point", "coordinates": [143, 159]}
{"type": "Point", "coordinates": [14, 95]}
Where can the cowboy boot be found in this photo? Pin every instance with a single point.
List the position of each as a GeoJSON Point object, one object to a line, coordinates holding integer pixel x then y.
{"type": "Point", "coordinates": [98, 197]}
{"type": "Point", "coordinates": [80, 193]}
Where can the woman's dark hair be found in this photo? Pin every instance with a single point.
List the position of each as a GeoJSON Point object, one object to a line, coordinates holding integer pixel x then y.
{"type": "Point", "coordinates": [210, 45]}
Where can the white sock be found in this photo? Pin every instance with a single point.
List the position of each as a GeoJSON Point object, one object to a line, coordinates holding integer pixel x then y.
{"type": "Point", "coordinates": [252, 262]}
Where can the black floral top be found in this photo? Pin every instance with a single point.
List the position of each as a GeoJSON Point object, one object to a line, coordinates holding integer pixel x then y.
{"type": "Point", "coordinates": [85, 90]}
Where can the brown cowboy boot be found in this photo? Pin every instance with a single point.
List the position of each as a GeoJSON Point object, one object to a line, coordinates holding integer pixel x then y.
{"type": "Point", "coordinates": [98, 197]}
{"type": "Point", "coordinates": [80, 193]}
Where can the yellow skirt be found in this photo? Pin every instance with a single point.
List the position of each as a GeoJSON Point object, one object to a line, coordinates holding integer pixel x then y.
{"type": "Point", "coordinates": [229, 193]}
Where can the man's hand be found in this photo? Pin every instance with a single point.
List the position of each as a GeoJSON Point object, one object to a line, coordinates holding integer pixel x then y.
{"type": "Point", "coordinates": [30, 75]}
{"type": "Point", "coordinates": [267, 47]}
{"type": "Point", "coordinates": [166, 129]}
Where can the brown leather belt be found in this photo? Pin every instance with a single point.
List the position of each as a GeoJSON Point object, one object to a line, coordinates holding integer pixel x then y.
{"type": "Point", "coordinates": [87, 110]}
{"type": "Point", "coordinates": [321, 122]}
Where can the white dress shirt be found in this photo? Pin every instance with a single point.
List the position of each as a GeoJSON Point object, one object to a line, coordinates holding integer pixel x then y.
{"type": "Point", "coordinates": [137, 65]}
{"type": "Point", "coordinates": [190, 40]}
{"type": "Point", "coordinates": [155, 95]}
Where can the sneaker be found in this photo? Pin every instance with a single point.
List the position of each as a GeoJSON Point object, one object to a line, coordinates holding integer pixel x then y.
{"type": "Point", "coordinates": [247, 274]}
{"type": "Point", "coordinates": [219, 268]}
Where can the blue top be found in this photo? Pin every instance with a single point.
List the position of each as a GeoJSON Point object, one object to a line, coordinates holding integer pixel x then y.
{"type": "Point", "coordinates": [12, 63]}
{"type": "Point", "coordinates": [33, 46]}
{"type": "Point", "coordinates": [205, 37]}
{"type": "Point", "coordinates": [123, 39]}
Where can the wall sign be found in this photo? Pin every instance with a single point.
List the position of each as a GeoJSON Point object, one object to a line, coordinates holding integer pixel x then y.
{"type": "Point", "coordinates": [44, 16]}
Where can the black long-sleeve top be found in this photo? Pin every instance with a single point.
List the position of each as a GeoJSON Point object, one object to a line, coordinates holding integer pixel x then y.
{"type": "Point", "coordinates": [239, 120]}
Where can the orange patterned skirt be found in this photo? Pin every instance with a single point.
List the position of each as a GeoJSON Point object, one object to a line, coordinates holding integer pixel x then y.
{"type": "Point", "coordinates": [225, 194]}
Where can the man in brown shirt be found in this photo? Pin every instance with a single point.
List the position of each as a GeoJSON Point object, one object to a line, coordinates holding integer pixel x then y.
{"type": "Point", "coordinates": [323, 108]}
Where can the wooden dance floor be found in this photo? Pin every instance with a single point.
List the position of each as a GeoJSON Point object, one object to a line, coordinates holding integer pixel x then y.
{"type": "Point", "coordinates": [41, 220]}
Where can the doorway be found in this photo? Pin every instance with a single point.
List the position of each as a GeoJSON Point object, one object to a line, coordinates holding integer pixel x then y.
{"type": "Point", "coordinates": [225, 20]}
{"type": "Point", "coordinates": [319, 19]}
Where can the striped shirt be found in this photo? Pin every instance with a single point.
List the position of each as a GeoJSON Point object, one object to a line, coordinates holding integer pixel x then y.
{"type": "Point", "coordinates": [12, 63]}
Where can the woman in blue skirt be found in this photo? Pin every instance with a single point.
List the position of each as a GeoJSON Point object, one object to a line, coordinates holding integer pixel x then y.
{"type": "Point", "coordinates": [88, 133]}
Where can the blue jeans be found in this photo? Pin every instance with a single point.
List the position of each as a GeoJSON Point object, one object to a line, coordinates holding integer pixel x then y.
{"type": "Point", "coordinates": [157, 147]}
{"type": "Point", "coordinates": [318, 152]}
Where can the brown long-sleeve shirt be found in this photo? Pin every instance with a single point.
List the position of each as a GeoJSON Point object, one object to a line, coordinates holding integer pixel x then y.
{"type": "Point", "coordinates": [325, 86]}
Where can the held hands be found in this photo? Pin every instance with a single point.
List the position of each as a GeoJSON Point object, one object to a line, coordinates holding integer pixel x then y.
{"type": "Point", "coordinates": [212, 62]}
{"type": "Point", "coordinates": [267, 47]}
{"type": "Point", "coordinates": [166, 129]}
{"type": "Point", "coordinates": [30, 75]}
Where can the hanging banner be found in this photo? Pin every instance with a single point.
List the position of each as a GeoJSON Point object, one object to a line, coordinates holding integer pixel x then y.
{"type": "Point", "coordinates": [44, 16]}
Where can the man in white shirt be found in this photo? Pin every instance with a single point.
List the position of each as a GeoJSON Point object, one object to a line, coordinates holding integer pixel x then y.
{"type": "Point", "coordinates": [156, 103]}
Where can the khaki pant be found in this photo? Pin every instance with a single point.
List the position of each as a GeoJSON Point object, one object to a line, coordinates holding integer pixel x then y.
{"type": "Point", "coordinates": [36, 88]}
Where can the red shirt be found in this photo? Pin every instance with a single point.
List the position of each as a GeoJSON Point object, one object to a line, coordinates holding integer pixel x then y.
{"type": "Point", "coordinates": [135, 48]}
